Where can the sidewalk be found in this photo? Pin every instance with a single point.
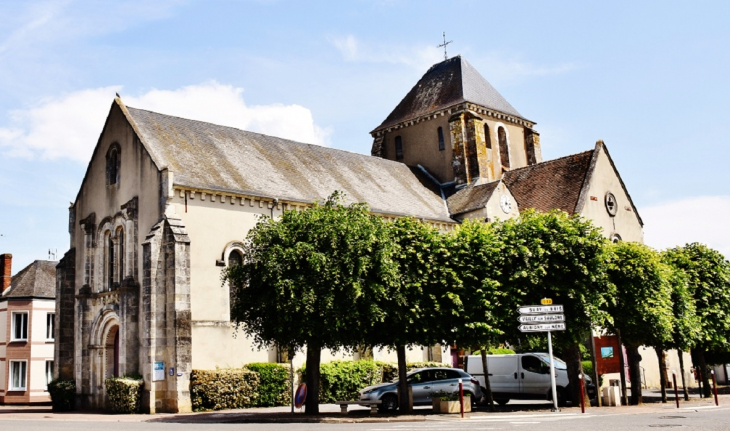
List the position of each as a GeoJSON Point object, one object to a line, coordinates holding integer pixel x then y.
{"type": "Point", "coordinates": [330, 413]}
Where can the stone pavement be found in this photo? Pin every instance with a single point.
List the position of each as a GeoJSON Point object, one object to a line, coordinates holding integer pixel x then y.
{"type": "Point", "coordinates": [330, 413]}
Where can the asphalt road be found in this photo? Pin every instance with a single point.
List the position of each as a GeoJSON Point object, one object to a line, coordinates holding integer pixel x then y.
{"type": "Point", "coordinates": [706, 418]}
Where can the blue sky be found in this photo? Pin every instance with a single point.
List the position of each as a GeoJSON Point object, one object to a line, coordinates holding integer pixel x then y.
{"type": "Point", "coordinates": [649, 78]}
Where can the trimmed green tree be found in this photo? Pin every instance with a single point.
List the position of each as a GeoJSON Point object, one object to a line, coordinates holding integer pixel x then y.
{"type": "Point", "coordinates": [415, 304]}
{"type": "Point", "coordinates": [557, 256]}
{"type": "Point", "coordinates": [708, 275]}
{"type": "Point", "coordinates": [641, 308]}
{"type": "Point", "coordinates": [307, 280]}
{"type": "Point", "coordinates": [476, 251]}
{"type": "Point", "coordinates": [685, 322]}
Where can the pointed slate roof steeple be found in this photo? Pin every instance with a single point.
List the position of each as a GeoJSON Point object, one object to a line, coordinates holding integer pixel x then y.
{"type": "Point", "coordinates": [448, 83]}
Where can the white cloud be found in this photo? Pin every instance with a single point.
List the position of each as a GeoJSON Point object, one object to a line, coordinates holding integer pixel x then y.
{"type": "Point", "coordinates": [69, 126]}
{"type": "Point", "coordinates": [700, 219]}
{"type": "Point", "coordinates": [419, 57]}
{"type": "Point", "coordinates": [38, 25]}
{"type": "Point", "coordinates": [499, 66]}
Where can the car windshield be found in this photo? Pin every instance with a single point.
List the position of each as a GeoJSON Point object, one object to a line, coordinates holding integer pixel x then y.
{"type": "Point", "coordinates": [559, 364]}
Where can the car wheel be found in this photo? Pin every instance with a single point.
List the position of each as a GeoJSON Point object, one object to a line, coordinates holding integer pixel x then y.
{"type": "Point", "coordinates": [501, 401]}
{"type": "Point", "coordinates": [389, 403]}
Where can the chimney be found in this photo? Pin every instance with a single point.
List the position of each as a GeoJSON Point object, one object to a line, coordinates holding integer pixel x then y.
{"type": "Point", "coordinates": [6, 261]}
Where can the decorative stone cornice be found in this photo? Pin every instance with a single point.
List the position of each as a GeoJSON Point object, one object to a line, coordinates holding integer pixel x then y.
{"type": "Point", "coordinates": [455, 109]}
{"type": "Point", "coordinates": [269, 202]}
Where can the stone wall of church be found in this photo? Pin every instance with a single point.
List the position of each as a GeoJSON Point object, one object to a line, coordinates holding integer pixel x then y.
{"type": "Point", "coordinates": [604, 180]}
{"type": "Point", "coordinates": [166, 336]}
{"type": "Point", "coordinates": [421, 145]}
{"type": "Point", "coordinates": [103, 274]}
{"type": "Point", "coordinates": [65, 328]}
{"type": "Point", "coordinates": [216, 225]}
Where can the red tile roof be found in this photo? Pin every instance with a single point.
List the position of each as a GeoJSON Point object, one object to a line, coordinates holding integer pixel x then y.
{"type": "Point", "coordinates": [555, 184]}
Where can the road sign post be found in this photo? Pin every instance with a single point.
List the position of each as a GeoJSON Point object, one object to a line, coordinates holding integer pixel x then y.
{"type": "Point", "coordinates": [544, 318]}
{"type": "Point", "coordinates": [552, 373]}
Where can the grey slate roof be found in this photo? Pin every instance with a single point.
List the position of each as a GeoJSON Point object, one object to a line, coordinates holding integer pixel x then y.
{"type": "Point", "coordinates": [37, 280]}
{"type": "Point", "coordinates": [445, 84]}
{"type": "Point", "coordinates": [471, 198]}
{"type": "Point", "coordinates": [218, 158]}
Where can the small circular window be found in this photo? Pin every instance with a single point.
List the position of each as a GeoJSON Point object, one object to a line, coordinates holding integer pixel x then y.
{"type": "Point", "coordinates": [611, 204]}
{"type": "Point", "coordinates": [615, 238]}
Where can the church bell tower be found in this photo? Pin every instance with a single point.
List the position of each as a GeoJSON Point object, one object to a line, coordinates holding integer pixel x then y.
{"type": "Point", "coordinates": [454, 124]}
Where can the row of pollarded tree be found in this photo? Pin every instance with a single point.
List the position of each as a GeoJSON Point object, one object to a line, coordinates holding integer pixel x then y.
{"type": "Point", "coordinates": [337, 277]}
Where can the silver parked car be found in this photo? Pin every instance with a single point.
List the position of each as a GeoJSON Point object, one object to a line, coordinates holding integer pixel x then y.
{"type": "Point", "coordinates": [423, 382]}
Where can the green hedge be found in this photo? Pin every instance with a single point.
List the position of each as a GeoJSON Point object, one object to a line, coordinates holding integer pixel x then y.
{"type": "Point", "coordinates": [124, 394]}
{"type": "Point", "coordinates": [231, 388]}
{"type": "Point", "coordinates": [588, 368]}
{"type": "Point", "coordinates": [63, 395]}
{"type": "Point", "coordinates": [274, 384]}
{"type": "Point", "coordinates": [343, 380]}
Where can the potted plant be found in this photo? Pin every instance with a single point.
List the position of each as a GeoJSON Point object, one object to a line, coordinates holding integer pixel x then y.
{"type": "Point", "coordinates": [445, 402]}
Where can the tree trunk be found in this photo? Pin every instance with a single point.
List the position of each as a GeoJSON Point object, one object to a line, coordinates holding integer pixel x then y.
{"type": "Point", "coordinates": [487, 385]}
{"type": "Point", "coordinates": [575, 368]}
{"type": "Point", "coordinates": [662, 372]}
{"type": "Point", "coordinates": [635, 374]}
{"type": "Point", "coordinates": [702, 366]}
{"type": "Point", "coordinates": [622, 362]}
{"type": "Point", "coordinates": [314, 356]}
{"type": "Point", "coordinates": [595, 376]}
{"type": "Point", "coordinates": [681, 371]}
{"type": "Point", "coordinates": [403, 398]}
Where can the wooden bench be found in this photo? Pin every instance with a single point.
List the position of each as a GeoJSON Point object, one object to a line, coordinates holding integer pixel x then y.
{"type": "Point", "coordinates": [373, 405]}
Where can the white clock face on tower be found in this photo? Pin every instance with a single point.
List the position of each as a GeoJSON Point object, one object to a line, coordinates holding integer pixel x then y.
{"type": "Point", "coordinates": [505, 203]}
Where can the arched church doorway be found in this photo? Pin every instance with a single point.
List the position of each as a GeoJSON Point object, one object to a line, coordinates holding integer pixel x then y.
{"type": "Point", "coordinates": [111, 353]}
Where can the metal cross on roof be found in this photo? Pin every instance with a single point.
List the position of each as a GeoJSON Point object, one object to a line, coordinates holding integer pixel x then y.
{"type": "Point", "coordinates": [444, 45]}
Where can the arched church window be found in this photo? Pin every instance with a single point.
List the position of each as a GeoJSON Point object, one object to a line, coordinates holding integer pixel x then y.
{"type": "Point", "coordinates": [398, 148]}
{"type": "Point", "coordinates": [110, 261]}
{"type": "Point", "coordinates": [120, 246]}
{"type": "Point", "coordinates": [442, 144]}
{"type": "Point", "coordinates": [112, 164]}
{"type": "Point", "coordinates": [487, 137]}
{"type": "Point", "coordinates": [615, 238]}
{"type": "Point", "coordinates": [503, 147]}
{"type": "Point", "coordinates": [235, 258]}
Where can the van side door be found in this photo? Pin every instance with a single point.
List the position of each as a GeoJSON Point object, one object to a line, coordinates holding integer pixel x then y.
{"type": "Point", "coordinates": [504, 373]}
{"type": "Point", "coordinates": [534, 375]}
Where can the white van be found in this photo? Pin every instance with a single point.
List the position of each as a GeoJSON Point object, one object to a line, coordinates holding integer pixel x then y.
{"type": "Point", "coordinates": [520, 376]}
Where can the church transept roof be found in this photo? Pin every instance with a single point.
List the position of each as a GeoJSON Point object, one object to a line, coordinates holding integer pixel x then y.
{"type": "Point", "coordinates": [471, 198]}
{"type": "Point", "coordinates": [554, 184]}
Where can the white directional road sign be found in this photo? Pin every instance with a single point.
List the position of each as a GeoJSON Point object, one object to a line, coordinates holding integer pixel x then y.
{"type": "Point", "coordinates": [540, 309]}
{"type": "Point", "coordinates": [544, 327]}
{"type": "Point", "coordinates": [542, 318]}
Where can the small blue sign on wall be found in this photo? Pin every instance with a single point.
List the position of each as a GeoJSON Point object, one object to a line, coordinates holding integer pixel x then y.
{"type": "Point", "coordinates": [607, 352]}
{"type": "Point", "coordinates": [158, 371]}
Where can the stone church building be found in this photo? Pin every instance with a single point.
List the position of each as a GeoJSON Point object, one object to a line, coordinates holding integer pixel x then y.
{"type": "Point", "coordinates": [165, 203]}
